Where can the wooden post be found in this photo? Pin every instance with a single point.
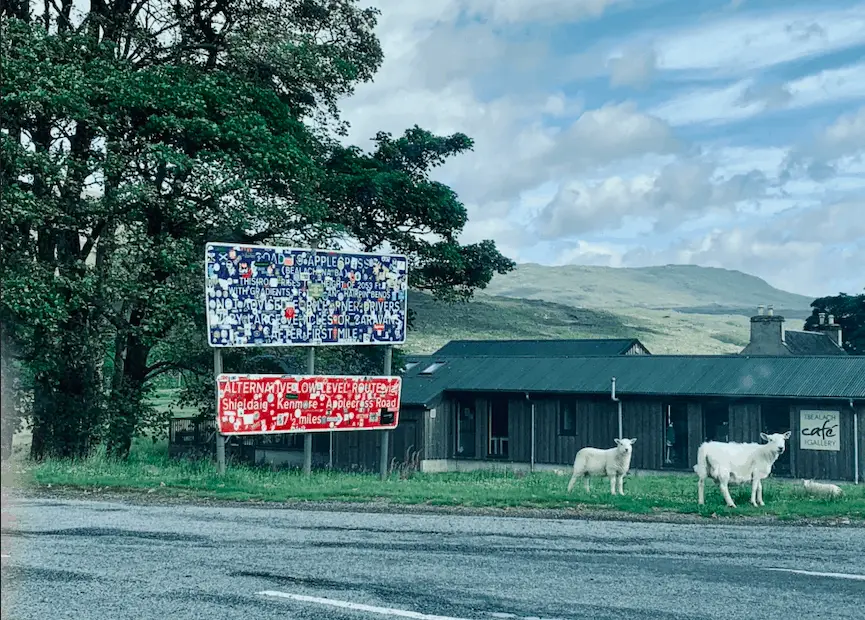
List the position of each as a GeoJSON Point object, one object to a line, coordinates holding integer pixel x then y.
{"type": "Point", "coordinates": [307, 438]}
{"type": "Point", "coordinates": [385, 437]}
{"type": "Point", "coordinates": [220, 438]}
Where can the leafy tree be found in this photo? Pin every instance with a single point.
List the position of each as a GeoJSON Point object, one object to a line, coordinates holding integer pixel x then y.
{"type": "Point", "coordinates": [137, 131]}
{"type": "Point", "coordinates": [849, 313]}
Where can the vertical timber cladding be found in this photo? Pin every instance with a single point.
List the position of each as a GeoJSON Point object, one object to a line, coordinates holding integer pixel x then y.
{"type": "Point", "coordinates": [745, 422]}
{"type": "Point", "coordinates": [696, 432]}
{"type": "Point", "coordinates": [644, 419]}
{"type": "Point", "coordinates": [822, 463]}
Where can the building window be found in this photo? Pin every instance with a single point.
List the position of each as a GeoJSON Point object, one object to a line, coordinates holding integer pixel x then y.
{"type": "Point", "coordinates": [568, 418]}
{"type": "Point", "coordinates": [432, 368]}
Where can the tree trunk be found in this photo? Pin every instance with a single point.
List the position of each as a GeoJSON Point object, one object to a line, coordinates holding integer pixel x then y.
{"type": "Point", "coordinates": [67, 401]}
{"type": "Point", "coordinates": [128, 396]}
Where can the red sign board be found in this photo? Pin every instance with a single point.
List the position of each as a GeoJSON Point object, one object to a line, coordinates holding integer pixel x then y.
{"type": "Point", "coordinates": [259, 404]}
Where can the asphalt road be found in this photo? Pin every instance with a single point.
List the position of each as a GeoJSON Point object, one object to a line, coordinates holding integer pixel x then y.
{"type": "Point", "coordinates": [106, 561]}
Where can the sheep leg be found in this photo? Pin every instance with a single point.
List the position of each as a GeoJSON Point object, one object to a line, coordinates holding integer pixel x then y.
{"type": "Point", "coordinates": [613, 484]}
{"type": "Point", "coordinates": [621, 481]}
{"type": "Point", "coordinates": [760, 493]}
{"type": "Point", "coordinates": [701, 491]}
{"type": "Point", "coordinates": [724, 483]}
{"type": "Point", "coordinates": [586, 479]}
{"type": "Point", "coordinates": [755, 486]}
{"type": "Point", "coordinates": [572, 482]}
{"type": "Point", "coordinates": [578, 471]}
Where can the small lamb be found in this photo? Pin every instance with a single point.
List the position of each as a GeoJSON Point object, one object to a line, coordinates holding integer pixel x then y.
{"type": "Point", "coordinates": [613, 463]}
{"type": "Point", "coordinates": [823, 489]}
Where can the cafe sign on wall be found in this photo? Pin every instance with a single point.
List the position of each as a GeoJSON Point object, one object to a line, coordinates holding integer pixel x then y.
{"type": "Point", "coordinates": [819, 430]}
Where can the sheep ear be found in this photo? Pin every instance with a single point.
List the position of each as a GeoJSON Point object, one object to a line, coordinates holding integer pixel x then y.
{"type": "Point", "coordinates": [617, 441]}
{"type": "Point", "coordinates": [787, 435]}
{"type": "Point", "coordinates": [633, 440]}
{"type": "Point", "coordinates": [764, 436]}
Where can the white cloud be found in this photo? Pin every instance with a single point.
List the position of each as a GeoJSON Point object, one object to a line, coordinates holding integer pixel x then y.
{"type": "Point", "coordinates": [834, 150]}
{"type": "Point", "coordinates": [743, 43]}
{"type": "Point", "coordinates": [546, 171]}
{"type": "Point", "coordinates": [812, 251]}
{"type": "Point", "coordinates": [615, 131]}
{"type": "Point", "coordinates": [677, 192]}
{"type": "Point", "coordinates": [750, 97]}
{"type": "Point", "coordinates": [633, 67]}
{"type": "Point", "coordinates": [517, 11]}
{"type": "Point", "coordinates": [846, 136]}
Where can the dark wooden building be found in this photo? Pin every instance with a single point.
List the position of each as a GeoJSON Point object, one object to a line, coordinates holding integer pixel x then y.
{"type": "Point", "coordinates": [533, 404]}
{"type": "Point", "coordinates": [539, 410]}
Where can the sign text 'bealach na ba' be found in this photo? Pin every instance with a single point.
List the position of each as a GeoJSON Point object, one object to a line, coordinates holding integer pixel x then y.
{"type": "Point", "coordinates": [271, 296]}
{"type": "Point", "coordinates": [258, 404]}
{"type": "Point", "coordinates": [819, 430]}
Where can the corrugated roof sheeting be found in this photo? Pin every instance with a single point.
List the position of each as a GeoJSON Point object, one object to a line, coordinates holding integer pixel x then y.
{"type": "Point", "coordinates": [539, 348]}
{"type": "Point", "coordinates": [811, 343]}
{"type": "Point", "coordinates": [785, 377]}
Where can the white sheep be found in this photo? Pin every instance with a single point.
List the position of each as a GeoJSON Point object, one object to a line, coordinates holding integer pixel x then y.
{"type": "Point", "coordinates": [613, 463]}
{"type": "Point", "coordinates": [738, 463]}
{"type": "Point", "coordinates": [822, 488]}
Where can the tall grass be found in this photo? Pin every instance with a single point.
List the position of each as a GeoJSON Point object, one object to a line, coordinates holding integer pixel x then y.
{"type": "Point", "coordinates": [149, 470]}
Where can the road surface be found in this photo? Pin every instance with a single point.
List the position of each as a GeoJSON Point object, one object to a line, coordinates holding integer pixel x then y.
{"type": "Point", "coordinates": [107, 561]}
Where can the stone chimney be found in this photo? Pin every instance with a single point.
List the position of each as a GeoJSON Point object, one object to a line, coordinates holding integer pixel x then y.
{"type": "Point", "coordinates": [833, 331]}
{"type": "Point", "coordinates": [767, 334]}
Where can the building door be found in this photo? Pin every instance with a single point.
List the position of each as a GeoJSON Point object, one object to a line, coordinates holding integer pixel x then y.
{"type": "Point", "coordinates": [498, 428]}
{"type": "Point", "coordinates": [776, 419]}
{"type": "Point", "coordinates": [716, 421]}
{"type": "Point", "coordinates": [675, 435]}
{"type": "Point", "coordinates": [466, 429]}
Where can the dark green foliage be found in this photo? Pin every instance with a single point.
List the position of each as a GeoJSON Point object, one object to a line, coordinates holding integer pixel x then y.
{"type": "Point", "coordinates": [128, 143]}
{"type": "Point", "coordinates": [849, 313]}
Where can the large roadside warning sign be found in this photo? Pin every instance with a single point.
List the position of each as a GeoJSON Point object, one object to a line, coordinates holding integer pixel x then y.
{"type": "Point", "coordinates": [258, 404]}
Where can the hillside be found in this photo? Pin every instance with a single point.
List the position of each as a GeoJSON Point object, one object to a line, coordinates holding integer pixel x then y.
{"type": "Point", "coordinates": [672, 309]}
{"type": "Point", "coordinates": [685, 288]}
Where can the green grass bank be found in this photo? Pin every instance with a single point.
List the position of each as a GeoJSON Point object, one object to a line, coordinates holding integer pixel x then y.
{"type": "Point", "coordinates": [150, 471]}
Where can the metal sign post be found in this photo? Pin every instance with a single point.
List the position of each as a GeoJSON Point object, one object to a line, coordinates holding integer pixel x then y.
{"type": "Point", "coordinates": [267, 296]}
{"type": "Point", "coordinates": [385, 436]}
{"type": "Point", "coordinates": [220, 438]}
{"type": "Point", "coordinates": [307, 439]}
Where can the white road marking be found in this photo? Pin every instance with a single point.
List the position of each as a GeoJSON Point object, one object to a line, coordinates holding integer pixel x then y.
{"type": "Point", "coordinates": [819, 574]}
{"type": "Point", "coordinates": [384, 611]}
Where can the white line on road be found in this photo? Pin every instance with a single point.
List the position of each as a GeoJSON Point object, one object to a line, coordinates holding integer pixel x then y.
{"type": "Point", "coordinates": [384, 611]}
{"type": "Point", "coordinates": [819, 574]}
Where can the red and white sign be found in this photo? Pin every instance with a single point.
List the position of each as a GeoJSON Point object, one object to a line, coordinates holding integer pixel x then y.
{"type": "Point", "coordinates": [258, 404]}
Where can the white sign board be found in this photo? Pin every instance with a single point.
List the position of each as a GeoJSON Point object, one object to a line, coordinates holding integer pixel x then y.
{"type": "Point", "coordinates": [819, 430]}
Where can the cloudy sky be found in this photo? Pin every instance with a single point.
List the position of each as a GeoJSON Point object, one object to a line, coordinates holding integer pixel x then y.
{"type": "Point", "coordinates": [726, 133]}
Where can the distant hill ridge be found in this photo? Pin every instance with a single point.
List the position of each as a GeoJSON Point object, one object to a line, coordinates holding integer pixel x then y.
{"type": "Point", "coordinates": [685, 288]}
{"type": "Point", "coordinates": [672, 309]}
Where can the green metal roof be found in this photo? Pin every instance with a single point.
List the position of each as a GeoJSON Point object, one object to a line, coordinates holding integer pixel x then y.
{"type": "Point", "coordinates": [539, 348]}
{"type": "Point", "coordinates": [673, 375]}
{"type": "Point", "coordinates": [811, 343]}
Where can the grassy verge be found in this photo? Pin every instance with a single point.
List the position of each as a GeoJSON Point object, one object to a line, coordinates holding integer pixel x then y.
{"type": "Point", "coordinates": [149, 471]}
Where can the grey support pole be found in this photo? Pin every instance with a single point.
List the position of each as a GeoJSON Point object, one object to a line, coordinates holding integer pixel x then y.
{"type": "Point", "coordinates": [533, 437]}
{"type": "Point", "coordinates": [220, 438]}
{"type": "Point", "coordinates": [307, 438]}
{"type": "Point", "coordinates": [385, 435]}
